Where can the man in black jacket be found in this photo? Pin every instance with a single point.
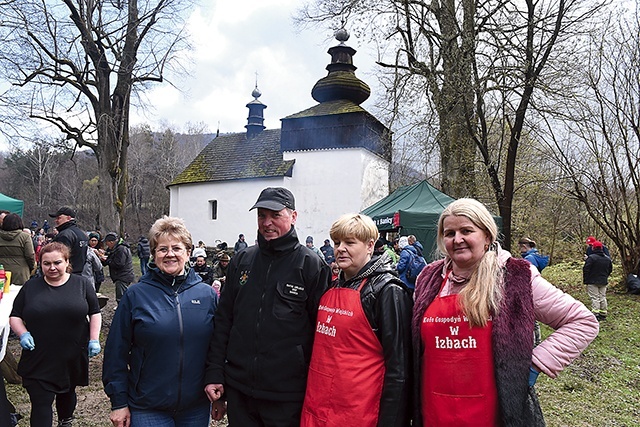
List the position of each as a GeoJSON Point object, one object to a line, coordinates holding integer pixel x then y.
{"type": "Point", "coordinates": [595, 274]}
{"type": "Point", "coordinates": [203, 270]}
{"type": "Point", "coordinates": [265, 322]}
{"type": "Point", "coordinates": [118, 258]}
{"type": "Point", "coordinates": [71, 235]}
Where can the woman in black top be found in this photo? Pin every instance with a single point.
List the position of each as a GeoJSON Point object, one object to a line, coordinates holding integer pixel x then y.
{"type": "Point", "coordinates": [50, 317]}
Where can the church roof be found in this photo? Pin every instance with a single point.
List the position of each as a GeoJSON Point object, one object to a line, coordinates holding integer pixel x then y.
{"type": "Point", "coordinates": [234, 156]}
{"type": "Point", "coordinates": [340, 106]}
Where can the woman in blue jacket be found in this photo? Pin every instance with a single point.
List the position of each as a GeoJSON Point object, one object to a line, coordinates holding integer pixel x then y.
{"type": "Point", "coordinates": [155, 353]}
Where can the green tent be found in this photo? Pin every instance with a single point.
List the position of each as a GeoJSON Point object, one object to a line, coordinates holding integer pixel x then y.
{"type": "Point", "coordinates": [412, 209]}
{"type": "Point", "coordinates": [11, 205]}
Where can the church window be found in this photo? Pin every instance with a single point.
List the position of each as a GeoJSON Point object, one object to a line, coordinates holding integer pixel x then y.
{"type": "Point", "coordinates": [213, 208]}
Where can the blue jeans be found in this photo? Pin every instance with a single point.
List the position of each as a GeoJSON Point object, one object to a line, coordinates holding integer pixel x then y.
{"type": "Point", "coordinates": [144, 265]}
{"type": "Point", "coordinates": [197, 416]}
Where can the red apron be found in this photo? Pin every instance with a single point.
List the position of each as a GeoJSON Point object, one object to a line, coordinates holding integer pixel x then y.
{"type": "Point", "coordinates": [347, 365]}
{"type": "Point", "coordinates": [458, 384]}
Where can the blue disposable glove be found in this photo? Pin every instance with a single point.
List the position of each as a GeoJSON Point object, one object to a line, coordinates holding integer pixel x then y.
{"type": "Point", "coordinates": [94, 348]}
{"type": "Point", "coordinates": [26, 341]}
{"type": "Point", "coordinates": [533, 376]}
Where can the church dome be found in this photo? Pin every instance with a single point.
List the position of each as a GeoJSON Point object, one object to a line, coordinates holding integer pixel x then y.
{"type": "Point", "coordinates": [341, 82]}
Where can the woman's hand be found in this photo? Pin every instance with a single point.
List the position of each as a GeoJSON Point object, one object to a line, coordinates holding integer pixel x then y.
{"type": "Point", "coordinates": [120, 417]}
{"type": "Point", "coordinates": [94, 348]}
{"type": "Point", "coordinates": [26, 341]}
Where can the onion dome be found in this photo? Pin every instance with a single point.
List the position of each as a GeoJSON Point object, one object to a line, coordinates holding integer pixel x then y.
{"type": "Point", "coordinates": [255, 121]}
{"type": "Point", "coordinates": [341, 81]}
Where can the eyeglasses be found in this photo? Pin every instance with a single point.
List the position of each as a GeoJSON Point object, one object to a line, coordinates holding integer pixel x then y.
{"type": "Point", "coordinates": [177, 250]}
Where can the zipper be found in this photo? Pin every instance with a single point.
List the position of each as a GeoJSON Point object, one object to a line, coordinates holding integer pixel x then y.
{"type": "Point", "coordinates": [181, 346]}
{"type": "Point", "coordinates": [257, 334]}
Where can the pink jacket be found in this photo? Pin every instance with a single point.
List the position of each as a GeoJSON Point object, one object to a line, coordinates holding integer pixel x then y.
{"type": "Point", "coordinates": [575, 326]}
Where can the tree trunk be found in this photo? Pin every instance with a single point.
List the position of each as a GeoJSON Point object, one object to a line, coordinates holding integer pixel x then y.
{"type": "Point", "coordinates": [455, 100]}
{"type": "Point", "coordinates": [113, 130]}
{"type": "Point", "coordinates": [457, 157]}
{"type": "Point", "coordinates": [112, 170]}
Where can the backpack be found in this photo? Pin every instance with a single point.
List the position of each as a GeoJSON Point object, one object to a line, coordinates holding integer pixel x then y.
{"type": "Point", "coordinates": [416, 264]}
{"type": "Point", "coordinates": [633, 284]}
{"type": "Point", "coordinates": [538, 260]}
{"type": "Point", "coordinates": [542, 261]}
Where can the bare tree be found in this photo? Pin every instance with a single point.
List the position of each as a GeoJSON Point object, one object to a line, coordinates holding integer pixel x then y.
{"type": "Point", "coordinates": [479, 62]}
{"type": "Point", "coordinates": [45, 176]}
{"type": "Point", "coordinates": [155, 160]}
{"type": "Point", "coordinates": [599, 149]}
{"type": "Point", "coordinates": [75, 64]}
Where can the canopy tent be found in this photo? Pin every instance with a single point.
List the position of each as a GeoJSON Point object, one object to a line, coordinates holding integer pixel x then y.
{"type": "Point", "coordinates": [12, 205]}
{"type": "Point", "coordinates": [412, 209]}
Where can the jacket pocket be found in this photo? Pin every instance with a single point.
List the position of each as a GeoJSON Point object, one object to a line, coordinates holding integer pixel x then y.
{"type": "Point", "coordinates": [290, 300]}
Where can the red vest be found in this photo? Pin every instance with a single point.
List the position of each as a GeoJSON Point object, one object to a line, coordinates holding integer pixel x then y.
{"type": "Point", "coordinates": [347, 365]}
{"type": "Point", "coordinates": [458, 384]}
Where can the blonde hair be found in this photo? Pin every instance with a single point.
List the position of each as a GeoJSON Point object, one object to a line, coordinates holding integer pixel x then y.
{"type": "Point", "coordinates": [168, 226]}
{"type": "Point", "coordinates": [359, 226]}
{"type": "Point", "coordinates": [480, 298]}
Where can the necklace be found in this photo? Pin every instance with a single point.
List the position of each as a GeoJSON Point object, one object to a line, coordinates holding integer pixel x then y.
{"type": "Point", "coordinates": [458, 280]}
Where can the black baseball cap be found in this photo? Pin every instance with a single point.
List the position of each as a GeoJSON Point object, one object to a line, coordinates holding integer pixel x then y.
{"type": "Point", "coordinates": [65, 210]}
{"type": "Point", "coordinates": [111, 237]}
{"type": "Point", "coordinates": [275, 199]}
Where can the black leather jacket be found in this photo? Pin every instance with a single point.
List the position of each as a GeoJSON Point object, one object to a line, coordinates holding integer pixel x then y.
{"type": "Point", "coordinates": [388, 305]}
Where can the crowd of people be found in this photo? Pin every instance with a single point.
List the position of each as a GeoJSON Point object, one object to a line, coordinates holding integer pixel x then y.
{"type": "Point", "coordinates": [281, 334]}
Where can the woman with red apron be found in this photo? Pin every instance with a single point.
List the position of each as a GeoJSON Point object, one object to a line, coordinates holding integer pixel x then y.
{"type": "Point", "coordinates": [473, 328]}
{"type": "Point", "coordinates": [358, 374]}
{"type": "Point", "coordinates": [457, 377]}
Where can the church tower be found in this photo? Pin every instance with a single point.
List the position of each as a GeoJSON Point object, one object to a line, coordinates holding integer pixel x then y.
{"type": "Point", "coordinates": [342, 150]}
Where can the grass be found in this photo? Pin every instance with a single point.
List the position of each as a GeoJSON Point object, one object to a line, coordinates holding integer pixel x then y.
{"type": "Point", "coordinates": [601, 388]}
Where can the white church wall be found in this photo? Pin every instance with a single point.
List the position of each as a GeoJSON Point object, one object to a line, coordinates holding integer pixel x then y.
{"type": "Point", "coordinates": [329, 183]}
{"type": "Point", "coordinates": [234, 199]}
{"type": "Point", "coordinates": [325, 183]}
{"type": "Point", "coordinates": [375, 179]}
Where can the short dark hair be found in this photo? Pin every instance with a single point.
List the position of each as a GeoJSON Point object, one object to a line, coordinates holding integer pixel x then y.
{"type": "Point", "coordinates": [12, 222]}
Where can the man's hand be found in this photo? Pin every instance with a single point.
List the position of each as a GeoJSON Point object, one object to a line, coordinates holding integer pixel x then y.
{"type": "Point", "coordinates": [214, 391]}
{"type": "Point", "coordinates": [120, 417]}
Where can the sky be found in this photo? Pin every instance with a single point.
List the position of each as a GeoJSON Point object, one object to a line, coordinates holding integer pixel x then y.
{"type": "Point", "coordinates": [233, 40]}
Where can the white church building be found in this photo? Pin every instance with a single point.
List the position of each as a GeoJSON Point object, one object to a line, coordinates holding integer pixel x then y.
{"type": "Point", "coordinates": [334, 157]}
